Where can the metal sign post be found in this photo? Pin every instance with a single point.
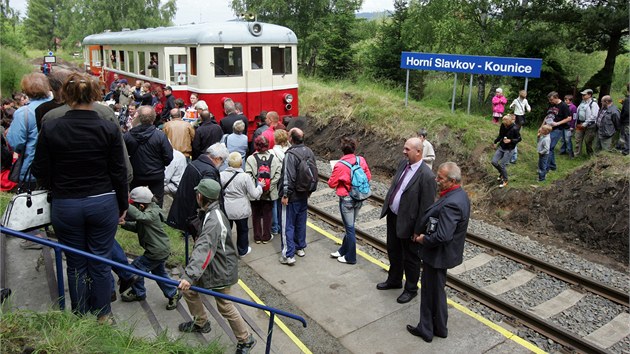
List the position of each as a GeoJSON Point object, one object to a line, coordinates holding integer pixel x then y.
{"type": "Point", "coordinates": [407, 89]}
{"type": "Point", "coordinates": [454, 93]}
{"type": "Point", "coordinates": [469, 93]}
{"type": "Point", "coordinates": [525, 82]}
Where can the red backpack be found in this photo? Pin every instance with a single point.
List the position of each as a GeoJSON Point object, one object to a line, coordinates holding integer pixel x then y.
{"type": "Point", "coordinates": [263, 174]}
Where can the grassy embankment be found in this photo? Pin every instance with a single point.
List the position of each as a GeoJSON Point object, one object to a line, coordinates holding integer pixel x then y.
{"type": "Point", "coordinates": [383, 111]}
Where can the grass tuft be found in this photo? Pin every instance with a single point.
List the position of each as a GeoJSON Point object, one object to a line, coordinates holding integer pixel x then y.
{"type": "Point", "coordinates": [64, 332]}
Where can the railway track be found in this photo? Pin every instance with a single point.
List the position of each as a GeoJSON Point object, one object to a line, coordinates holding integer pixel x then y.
{"type": "Point", "coordinates": [537, 318]}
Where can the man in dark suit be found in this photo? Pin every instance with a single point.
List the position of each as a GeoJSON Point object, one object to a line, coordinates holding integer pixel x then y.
{"type": "Point", "coordinates": [232, 116]}
{"type": "Point", "coordinates": [411, 193]}
{"type": "Point", "coordinates": [442, 248]}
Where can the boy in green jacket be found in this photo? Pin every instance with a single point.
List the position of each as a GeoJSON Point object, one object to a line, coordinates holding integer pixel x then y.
{"type": "Point", "coordinates": [146, 219]}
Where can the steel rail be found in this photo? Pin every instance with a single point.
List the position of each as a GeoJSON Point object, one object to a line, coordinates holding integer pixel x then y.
{"type": "Point", "coordinates": [613, 294]}
{"type": "Point", "coordinates": [558, 334]}
{"type": "Point", "coordinates": [530, 320]}
{"type": "Point", "coordinates": [581, 282]}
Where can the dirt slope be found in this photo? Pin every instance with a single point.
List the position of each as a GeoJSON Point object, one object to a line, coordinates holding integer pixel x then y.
{"type": "Point", "coordinates": [587, 212]}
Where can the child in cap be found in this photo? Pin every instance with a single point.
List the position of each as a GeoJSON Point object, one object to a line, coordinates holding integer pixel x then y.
{"type": "Point", "coordinates": [146, 218]}
{"type": "Point", "coordinates": [213, 265]}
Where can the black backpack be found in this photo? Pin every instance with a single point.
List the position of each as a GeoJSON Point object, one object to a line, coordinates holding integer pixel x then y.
{"type": "Point", "coordinates": [307, 174]}
{"type": "Point", "coordinates": [263, 174]}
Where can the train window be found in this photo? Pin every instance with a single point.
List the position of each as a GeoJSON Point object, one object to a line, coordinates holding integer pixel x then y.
{"type": "Point", "coordinates": [96, 60]}
{"type": "Point", "coordinates": [193, 61]}
{"type": "Point", "coordinates": [228, 61]}
{"type": "Point", "coordinates": [281, 60]}
{"type": "Point", "coordinates": [112, 58]}
{"type": "Point", "coordinates": [257, 58]}
{"type": "Point", "coordinates": [153, 64]}
{"type": "Point", "coordinates": [130, 59]}
{"type": "Point", "coordinates": [177, 69]}
{"type": "Point", "coordinates": [121, 56]}
{"type": "Point", "coordinates": [142, 63]}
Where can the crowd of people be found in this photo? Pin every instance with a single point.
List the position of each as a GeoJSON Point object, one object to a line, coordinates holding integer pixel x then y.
{"type": "Point", "coordinates": [114, 163]}
{"type": "Point", "coordinates": [588, 124]}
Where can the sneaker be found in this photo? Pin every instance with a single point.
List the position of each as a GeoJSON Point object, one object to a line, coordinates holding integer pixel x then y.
{"type": "Point", "coordinates": [106, 320]}
{"type": "Point", "coordinates": [503, 184]}
{"type": "Point", "coordinates": [172, 302]}
{"type": "Point", "coordinates": [342, 259]}
{"type": "Point", "coordinates": [335, 254]}
{"type": "Point", "coordinates": [131, 296]}
{"type": "Point", "coordinates": [300, 253]}
{"type": "Point", "coordinates": [288, 261]}
{"type": "Point", "coordinates": [257, 242]}
{"type": "Point", "coordinates": [269, 240]}
{"type": "Point", "coordinates": [191, 326]}
{"type": "Point", "coordinates": [246, 347]}
{"type": "Point", "coordinates": [124, 285]}
{"type": "Point", "coordinates": [249, 250]}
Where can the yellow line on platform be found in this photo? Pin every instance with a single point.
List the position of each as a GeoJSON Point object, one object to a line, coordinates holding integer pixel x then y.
{"type": "Point", "coordinates": [504, 332]}
{"type": "Point", "coordinates": [276, 320]}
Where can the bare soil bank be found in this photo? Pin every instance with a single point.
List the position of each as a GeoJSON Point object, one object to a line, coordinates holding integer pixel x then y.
{"type": "Point", "coordinates": [586, 213]}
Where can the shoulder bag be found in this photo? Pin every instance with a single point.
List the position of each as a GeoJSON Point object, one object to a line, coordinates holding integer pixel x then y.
{"type": "Point", "coordinates": [28, 211]}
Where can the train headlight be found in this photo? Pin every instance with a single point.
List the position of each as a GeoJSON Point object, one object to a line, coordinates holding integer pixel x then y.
{"type": "Point", "coordinates": [288, 98]}
{"type": "Point", "coordinates": [255, 28]}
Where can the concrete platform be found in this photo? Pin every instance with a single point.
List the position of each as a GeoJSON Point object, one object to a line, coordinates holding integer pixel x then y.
{"type": "Point", "coordinates": [343, 299]}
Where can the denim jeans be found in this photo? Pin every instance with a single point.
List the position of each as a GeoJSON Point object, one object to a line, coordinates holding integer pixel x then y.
{"type": "Point", "coordinates": [156, 268]}
{"type": "Point", "coordinates": [556, 135]}
{"type": "Point", "coordinates": [500, 159]}
{"type": "Point", "coordinates": [88, 224]}
{"type": "Point", "coordinates": [242, 235]}
{"type": "Point", "coordinates": [118, 255]}
{"type": "Point", "coordinates": [349, 209]}
{"type": "Point", "coordinates": [275, 225]}
{"type": "Point", "coordinates": [293, 221]}
{"type": "Point", "coordinates": [514, 155]}
{"type": "Point", "coordinates": [625, 135]}
{"type": "Point", "coordinates": [567, 145]}
{"type": "Point", "coordinates": [542, 166]}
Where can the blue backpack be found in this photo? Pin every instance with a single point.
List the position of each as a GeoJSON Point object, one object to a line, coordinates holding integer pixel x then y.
{"type": "Point", "coordinates": [360, 189]}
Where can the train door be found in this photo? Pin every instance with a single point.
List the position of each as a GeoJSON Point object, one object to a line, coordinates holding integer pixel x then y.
{"type": "Point", "coordinates": [257, 80]}
{"type": "Point", "coordinates": [177, 66]}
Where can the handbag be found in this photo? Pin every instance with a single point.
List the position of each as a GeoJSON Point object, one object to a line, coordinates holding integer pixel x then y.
{"type": "Point", "coordinates": [28, 211]}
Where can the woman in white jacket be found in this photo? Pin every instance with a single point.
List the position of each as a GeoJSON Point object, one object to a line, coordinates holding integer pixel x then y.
{"type": "Point", "coordinates": [239, 188]}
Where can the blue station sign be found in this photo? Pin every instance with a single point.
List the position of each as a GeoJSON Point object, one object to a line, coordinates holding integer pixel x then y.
{"type": "Point", "coordinates": [472, 64]}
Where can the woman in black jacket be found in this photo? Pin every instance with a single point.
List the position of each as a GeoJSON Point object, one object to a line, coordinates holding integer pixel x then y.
{"type": "Point", "coordinates": [509, 136]}
{"type": "Point", "coordinates": [80, 158]}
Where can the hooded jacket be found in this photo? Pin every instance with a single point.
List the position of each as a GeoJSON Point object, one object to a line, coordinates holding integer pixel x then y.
{"type": "Point", "coordinates": [151, 235]}
{"type": "Point", "coordinates": [213, 263]}
{"type": "Point", "coordinates": [149, 152]}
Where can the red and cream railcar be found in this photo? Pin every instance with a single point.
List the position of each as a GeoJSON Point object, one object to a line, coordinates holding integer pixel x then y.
{"type": "Point", "coordinates": [250, 62]}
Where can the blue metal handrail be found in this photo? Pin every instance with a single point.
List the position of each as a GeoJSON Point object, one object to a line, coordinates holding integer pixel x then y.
{"type": "Point", "coordinates": [58, 247]}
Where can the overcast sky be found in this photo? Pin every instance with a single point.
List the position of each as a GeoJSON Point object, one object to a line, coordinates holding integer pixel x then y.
{"type": "Point", "coordinates": [218, 10]}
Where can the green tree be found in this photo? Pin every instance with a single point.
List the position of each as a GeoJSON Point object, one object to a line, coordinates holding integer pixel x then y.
{"type": "Point", "coordinates": [337, 51]}
{"type": "Point", "coordinates": [306, 18]}
{"type": "Point", "coordinates": [11, 29]}
{"type": "Point", "coordinates": [42, 25]}
{"type": "Point", "coordinates": [384, 60]}
{"type": "Point", "coordinates": [74, 19]}
{"type": "Point", "coordinates": [602, 25]}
